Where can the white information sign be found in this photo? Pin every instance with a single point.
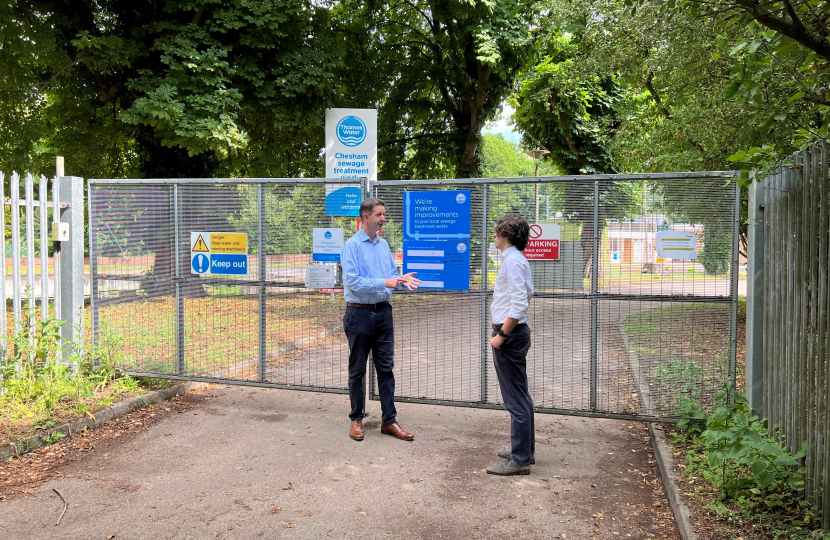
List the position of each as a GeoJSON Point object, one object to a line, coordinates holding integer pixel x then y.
{"type": "Point", "coordinates": [351, 152]}
{"type": "Point", "coordinates": [352, 143]}
{"type": "Point", "coordinates": [327, 245]}
{"type": "Point", "coordinates": [676, 245]}
{"type": "Point", "coordinates": [319, 276]}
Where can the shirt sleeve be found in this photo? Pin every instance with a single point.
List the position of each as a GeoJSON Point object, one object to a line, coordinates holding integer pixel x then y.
{"type": "Point", "coordinates": [350, 262]}
{"type": "Point", "coordinates": [393, 272]}
{"type": "Point", "coordinates": [517, 291]}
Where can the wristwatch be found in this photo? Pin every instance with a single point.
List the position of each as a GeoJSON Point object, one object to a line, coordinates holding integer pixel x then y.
{"type": "Point", "coordinates": [501, 333]}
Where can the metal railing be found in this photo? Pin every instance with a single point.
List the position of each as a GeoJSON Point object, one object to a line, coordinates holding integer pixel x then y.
{"type": "Point", "coordinates": [30, 221]}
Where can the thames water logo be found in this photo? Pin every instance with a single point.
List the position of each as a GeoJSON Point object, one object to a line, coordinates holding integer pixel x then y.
{"type": "Point", "coordinates": [351, 131]}
{"type": "Point", "coordinates": [462, 247]}
{"type": "Point", "coordinates": [328, 235]}
{"type": "Point", "coordinates": [460, 198]}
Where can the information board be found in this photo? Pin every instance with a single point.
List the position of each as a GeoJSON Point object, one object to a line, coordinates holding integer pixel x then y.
{"type": "Point", "coordinates": [319, 276]}
{"type": "Point", "coordinates": [440, 264]}
{"type": "Point", "coordinates": [436, 241]}
{"type": "Point", "coordinates": [436, 215]}
{"type": "Point", "coordinates": [326, 245]}
{"type": "Point", "coordinates": [351, 152]}
{"type": "Point", "coordinates": [676, 245]}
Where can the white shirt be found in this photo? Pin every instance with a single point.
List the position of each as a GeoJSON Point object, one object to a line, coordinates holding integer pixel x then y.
{"type": "Point", "coordinates": [514, 287]}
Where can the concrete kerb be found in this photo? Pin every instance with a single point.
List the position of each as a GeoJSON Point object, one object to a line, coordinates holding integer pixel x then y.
{"type": "Point", "coordinates": [116, 411]}
{"type": "Point", "coordinates": [662, 452]}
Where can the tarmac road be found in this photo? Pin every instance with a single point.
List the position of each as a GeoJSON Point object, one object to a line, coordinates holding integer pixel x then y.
{"type": "Point", "coordinates": [259, 463]}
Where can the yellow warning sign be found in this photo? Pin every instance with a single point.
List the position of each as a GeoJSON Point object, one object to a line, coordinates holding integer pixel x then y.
{"type": "Point", "coordinates": [229, 243]}
{"type": "Point", "coordinates": [200, 246]}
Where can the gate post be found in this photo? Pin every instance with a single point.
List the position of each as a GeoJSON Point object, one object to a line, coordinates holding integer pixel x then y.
{"type": "Point", "coordinates": [755, 296]}
{"type": "Point", "coordinates": [72, 267]}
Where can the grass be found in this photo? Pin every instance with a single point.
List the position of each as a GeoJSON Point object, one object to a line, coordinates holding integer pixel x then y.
{"type": "Point", "coordinates": [39, 391]}
{"type": "Point", "coordinates": [683, 353]}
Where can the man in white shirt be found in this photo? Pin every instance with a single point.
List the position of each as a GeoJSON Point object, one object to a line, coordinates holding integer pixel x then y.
{"type": "Point", "coordinates": [511, 342]}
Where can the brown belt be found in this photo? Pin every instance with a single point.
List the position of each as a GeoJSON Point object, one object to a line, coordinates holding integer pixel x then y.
{"type": "Point", "coordinates": [379, 305]}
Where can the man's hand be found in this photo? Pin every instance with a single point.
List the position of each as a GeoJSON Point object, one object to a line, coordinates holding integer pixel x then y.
{"type": "Point", "coordinates": [496, 341]}
{"type": "Point", "coordinates": [392, 283]}
{"type": "Point", "coordinates": [409, 281]}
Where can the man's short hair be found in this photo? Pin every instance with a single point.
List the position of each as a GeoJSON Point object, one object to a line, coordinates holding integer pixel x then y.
{"type": "Point", "coordinates": [368, 206]}
{"type": "Point", "coordinates": [515, 229]}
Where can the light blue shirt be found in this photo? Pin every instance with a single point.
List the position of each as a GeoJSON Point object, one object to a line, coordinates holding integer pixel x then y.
{"type": "Point", "coordinates": [366, 266]}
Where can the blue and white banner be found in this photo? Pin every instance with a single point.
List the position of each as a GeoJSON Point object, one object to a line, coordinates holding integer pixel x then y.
{"type": "Point", "coordinates": [436, 215]}
{"type": "Point", "coordinates": [436, 238]}
{"type": "Point", "coordinates": [440, 264]}
{"type": "Point", "coordinates": [351, 152]}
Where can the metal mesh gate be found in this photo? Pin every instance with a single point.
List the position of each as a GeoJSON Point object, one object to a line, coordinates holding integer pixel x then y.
{"type": "Point", "coordinates": [616, 331]}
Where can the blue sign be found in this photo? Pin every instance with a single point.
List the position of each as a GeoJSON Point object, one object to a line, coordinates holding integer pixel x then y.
{"type": "Point", "coordinates": [201, 263]}
{"type": "Point", "coordinates": [441, 264]}
{"type": "Point", "coordinates": [232, 265]}
{"type": "Point", "coordinates": [343, 202]}
{"type": "Point", "coordinates": [351, 131]}
{"type": "Point", "coordinates": [436, 215]}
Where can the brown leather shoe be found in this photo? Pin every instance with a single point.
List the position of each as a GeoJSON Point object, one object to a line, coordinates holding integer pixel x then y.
{"type": "Point", "coordinates": [397, 431]}
{"type": "Point", "coordinates": [356, 431]}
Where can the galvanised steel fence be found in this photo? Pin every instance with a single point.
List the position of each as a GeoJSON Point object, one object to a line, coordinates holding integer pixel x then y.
{"type": "Point", "coordinates": [29, 272]}
{"type": "Point", "coordinates": [787, 312]}
{"type": "Point", "coordinates": [617, 332]}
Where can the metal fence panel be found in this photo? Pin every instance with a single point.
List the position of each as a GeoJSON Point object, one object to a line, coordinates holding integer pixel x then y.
{"type": "Point", "coordinates": [795, 314]}
{"type": "Point", "coordinates": [625, 336]}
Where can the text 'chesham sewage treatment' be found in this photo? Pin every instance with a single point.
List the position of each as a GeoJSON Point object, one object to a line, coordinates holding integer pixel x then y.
{"type": "Point", "coordinates": [351, 164]}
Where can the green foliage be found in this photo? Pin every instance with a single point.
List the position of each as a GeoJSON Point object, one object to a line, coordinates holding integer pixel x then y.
{"type": "Point", "coordinates": [570, 111]}
{"type": "Point", "coordinates": [501, 158]}
{"type": "Point", "coordinates": [694, 418]}
{"type": "Point", "coordinates": [778, 64]}
{"type": "Point", "coordinates": [167, 88]}
{"type": "Point", "coordinates": [438, 74]}
{"type": "Point", "coordinates": [53, 437]}
{"type": "Point", "coordinates": [35, 382]}
{"type": "Point", "coordinates": [680, 376]}
{"type": "Point", "coordinates": [737, 455]}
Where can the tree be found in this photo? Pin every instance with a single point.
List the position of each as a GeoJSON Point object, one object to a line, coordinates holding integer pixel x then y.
{"type": "Point", "coordinates": [438, 72]}
{"type": "Point", "coordinates": [778, 69]}
{"type": "Point", "coordinates": [573, 113]}
{"type": "Point", "coordinates": [170, 88]}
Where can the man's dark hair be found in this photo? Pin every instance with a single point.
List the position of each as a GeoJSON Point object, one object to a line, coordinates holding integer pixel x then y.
{"type": "Point", "coordinates": [515, 229]}
{"type": "Point", "coordinates": [368, 206]}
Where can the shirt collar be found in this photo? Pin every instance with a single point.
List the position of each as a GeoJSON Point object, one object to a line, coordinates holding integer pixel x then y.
{"type": "Point", "coordinates": [365, 237]}
{"type": "Point", "coordinates": [507, 252]}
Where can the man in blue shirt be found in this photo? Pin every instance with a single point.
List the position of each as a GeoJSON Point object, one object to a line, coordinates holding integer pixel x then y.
{"type": "Point", "coordinates": [369, 276]}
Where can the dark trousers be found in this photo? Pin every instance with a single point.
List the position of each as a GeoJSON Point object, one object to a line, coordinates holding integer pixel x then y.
{"type": "Point", "coordinates": [371, 330]}
{"type": "Point", "coordinates": [511, 368]}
